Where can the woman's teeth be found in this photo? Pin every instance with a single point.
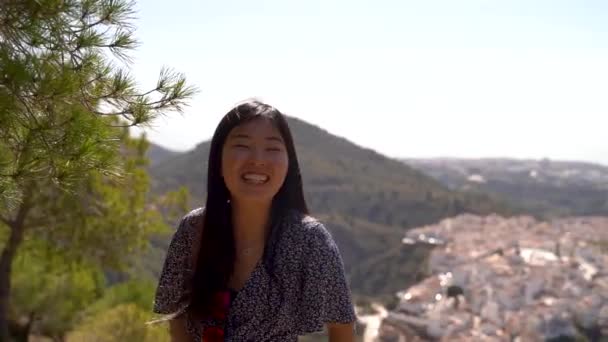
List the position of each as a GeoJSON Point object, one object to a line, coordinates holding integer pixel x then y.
{"type": "Point", "coordinates": [255, 178]}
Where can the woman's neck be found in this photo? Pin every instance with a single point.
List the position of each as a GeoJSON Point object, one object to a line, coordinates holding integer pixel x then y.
{"type": "Point", "coordinates": [250, 222]}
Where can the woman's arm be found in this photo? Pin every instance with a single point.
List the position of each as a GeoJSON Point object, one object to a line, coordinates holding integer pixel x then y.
{"type": "Point", "coordinates": [178, 330]}
{"type": "Point", "coordinates": [326, 291]}
{"type": "Point", "coordinates": [172, 293]}
{"type": "Point", "coordinates": [341, 332]}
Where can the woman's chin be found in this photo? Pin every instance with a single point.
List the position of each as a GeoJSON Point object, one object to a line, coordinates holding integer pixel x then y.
{"type": "Point", "coordinates": [254, 194]}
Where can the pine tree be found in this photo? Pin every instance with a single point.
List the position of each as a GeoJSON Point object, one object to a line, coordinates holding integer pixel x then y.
{"type": "Point", "coordinates": [67, 101]}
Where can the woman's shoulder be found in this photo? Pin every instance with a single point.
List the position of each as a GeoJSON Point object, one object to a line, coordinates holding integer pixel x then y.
{"type": "Point", "coordinates": [190, 223]}
{"type": "Point", "coordinates": [197, 213]}
{"type": "Point", "coordinates": [194, 216]}
{"type": "Point", "coordinates": [309, 229]}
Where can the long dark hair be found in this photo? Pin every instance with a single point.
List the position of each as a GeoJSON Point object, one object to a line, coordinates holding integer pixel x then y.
{"type": "Point", "coordinates": [216, 256]}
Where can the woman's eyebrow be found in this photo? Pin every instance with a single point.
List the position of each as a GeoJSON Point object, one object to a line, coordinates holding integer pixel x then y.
{"type": "Point", "coordinates": [245, 136]}
{"type": "Point", "coordinates": [274, 138]}
{"type": "Point", "coordinates": [240, 136]}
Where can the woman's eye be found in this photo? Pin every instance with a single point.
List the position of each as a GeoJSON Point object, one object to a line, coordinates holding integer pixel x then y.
{"type": "Point", "coordinates": [274, 149]}
{"type": "Point", "coordinates": [241, 146]}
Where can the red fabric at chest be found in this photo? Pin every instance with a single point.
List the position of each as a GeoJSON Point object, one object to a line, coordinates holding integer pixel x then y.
{"type": "Point", "coordinates": [219, 312]}
{"type": "Point", "coordinates": [213, 334]}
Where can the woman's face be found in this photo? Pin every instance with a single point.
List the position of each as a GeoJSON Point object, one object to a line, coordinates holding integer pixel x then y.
{"type": "Point", "coordinates": [254, 161]}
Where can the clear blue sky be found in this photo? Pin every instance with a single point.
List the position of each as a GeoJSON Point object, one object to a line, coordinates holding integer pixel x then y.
{"type": "Point", "coordinates": [523, 79]}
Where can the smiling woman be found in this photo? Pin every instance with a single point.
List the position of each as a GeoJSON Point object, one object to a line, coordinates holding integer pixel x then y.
{"type": "Point", "coordinates": [253, 265]}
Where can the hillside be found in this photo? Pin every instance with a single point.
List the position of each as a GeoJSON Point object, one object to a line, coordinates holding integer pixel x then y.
{"type": "Point", "coordinates": [157, 154]}
{"type": "Point", "coordinates": [547, 188]}
{"type": "Point", "coordinates": [366, 199]}
{"type": "Point", "coordinates": [349, 179]}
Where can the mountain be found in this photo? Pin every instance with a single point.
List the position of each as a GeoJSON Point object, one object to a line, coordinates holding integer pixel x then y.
{"type": "Point", "coordinates": [545, 187]}
{"type": "Point", "coordinates": [158, 154]}
{"type": "Point", "coordinates": [366, 200]}
{"type": "Point", "coordinates": [344, 178]}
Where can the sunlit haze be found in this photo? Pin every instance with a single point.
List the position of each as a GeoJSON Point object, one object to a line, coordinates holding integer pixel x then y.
{"type": "Point", "coordinates": [521, 79]}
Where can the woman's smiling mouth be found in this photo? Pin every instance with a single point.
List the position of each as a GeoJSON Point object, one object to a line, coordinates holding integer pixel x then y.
{"type": "Point", "coordinates": [255, 178]}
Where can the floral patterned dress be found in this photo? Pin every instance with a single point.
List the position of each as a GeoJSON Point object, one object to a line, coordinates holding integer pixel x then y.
{"type": "Point", "coordinates": [295, 289]}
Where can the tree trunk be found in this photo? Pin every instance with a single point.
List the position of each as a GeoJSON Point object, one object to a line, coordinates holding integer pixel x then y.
{"type": "Point", "coordinates": [17, 227]}
{"type": "Point", "coordinates": [21, 332]}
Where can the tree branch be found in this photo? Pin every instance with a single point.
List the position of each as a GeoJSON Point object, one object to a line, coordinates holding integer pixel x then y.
{"type": "Point", "coordinates": [33, 117]}
{"type": "Point", "coordinates": [86, 26]}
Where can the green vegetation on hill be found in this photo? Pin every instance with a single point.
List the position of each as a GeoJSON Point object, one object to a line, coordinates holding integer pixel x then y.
{"type": "Point", "coordinates": [376, 262]}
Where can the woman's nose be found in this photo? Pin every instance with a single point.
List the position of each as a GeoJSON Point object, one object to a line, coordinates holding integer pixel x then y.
{"type": "Point", "coordinates": [258, 156]}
